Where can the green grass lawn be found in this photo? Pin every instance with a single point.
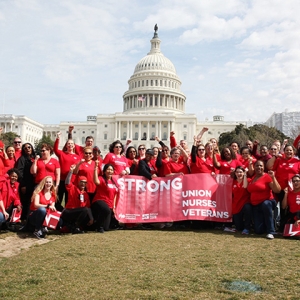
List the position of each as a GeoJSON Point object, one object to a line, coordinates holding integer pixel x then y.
{"type": "Point", "coordinates": [132, 264]}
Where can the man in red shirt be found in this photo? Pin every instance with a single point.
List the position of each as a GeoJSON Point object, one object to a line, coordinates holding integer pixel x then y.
{"type": "Point", "coordinates": [18, 147]}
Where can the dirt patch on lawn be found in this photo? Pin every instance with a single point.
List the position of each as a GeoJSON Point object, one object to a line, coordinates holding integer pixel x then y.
{"type": "Point", "coordinates": [13, 245]}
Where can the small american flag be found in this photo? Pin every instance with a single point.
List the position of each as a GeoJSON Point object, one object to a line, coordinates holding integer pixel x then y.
{"type": "Point", "coordinates": [141, 98]}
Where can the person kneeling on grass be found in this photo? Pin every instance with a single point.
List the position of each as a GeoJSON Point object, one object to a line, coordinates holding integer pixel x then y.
{"type": "Point", "coordinates": [77, 212]}
{"type": "Point", "coordinates": [9, 196]}
{"type": "Point", "coordinates": [104, 202]}
{"type": "Point", "coordinates": [43, 200]}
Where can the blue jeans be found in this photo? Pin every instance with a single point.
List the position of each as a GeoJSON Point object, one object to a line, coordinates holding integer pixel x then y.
{"type": "Point", "coordinates": [2, 219]}
{"type": "Point", "coordinates": [36, 218]}
{"type": "Point", "coordinates": [242, 220]}
{"type": "Point", "coordinates": [263, 217]}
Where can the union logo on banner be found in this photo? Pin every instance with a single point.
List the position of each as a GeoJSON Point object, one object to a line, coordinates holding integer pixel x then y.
{"type": "Point", "coordinates": [15, 215]}
{"type": "Point", "coordinates": [52, 219]}
{"type": "Point", "coordinates": [291, 230]}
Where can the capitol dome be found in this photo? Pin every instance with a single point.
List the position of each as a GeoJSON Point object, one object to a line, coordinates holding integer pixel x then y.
{"type": "Point", "coordinates": [154, 85]}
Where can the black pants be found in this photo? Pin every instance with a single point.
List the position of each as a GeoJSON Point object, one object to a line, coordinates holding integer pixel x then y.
{"type": "Point", "coordinates": [76, 216]}
{"type": "Point", "coordinates": [102, 214]}
{"type": "Point", "coordinates": [62, 191]}
{"type": "Point", "coordinates": [25, 201]}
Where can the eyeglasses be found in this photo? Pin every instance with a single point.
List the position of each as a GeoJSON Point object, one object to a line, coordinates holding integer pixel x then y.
{"type": "Point", "coordinates": [141, 148]}
{"type": "Point", "coordinates": [17, 142]}
{"type": "Point", "coordinates": [118, 146]}
{"type": "Point", "coordinates": [88, 153]}
{"type": "Point", "coordinates": [296, 181]}
{"type": "Point", "coordinates": [273, 149]}
{"type": "Point", "coordinates": [200, 149]}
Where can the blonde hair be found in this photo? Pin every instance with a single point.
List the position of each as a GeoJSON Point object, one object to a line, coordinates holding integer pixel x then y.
{"type": "Point", "coordinates": [41, 186]}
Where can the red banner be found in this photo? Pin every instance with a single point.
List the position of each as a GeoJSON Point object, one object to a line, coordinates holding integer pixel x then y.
{"type": "Point", "coordinates": [51, 219]}
{"type": "Point", "coordinates": [291, 230]}
{"type": "Point", "coordinates": [175, 198]}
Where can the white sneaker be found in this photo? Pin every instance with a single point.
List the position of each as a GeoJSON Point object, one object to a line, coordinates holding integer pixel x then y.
{"type": "Point", "coordinates": [270, 236]}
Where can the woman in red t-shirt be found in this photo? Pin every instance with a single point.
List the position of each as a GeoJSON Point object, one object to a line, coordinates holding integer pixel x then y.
{"type": "Point", "coordinates": [104, 202]}
{"type": "Point", "coordinates": [86, 167]}
{"type": "Point", "coordinates": [116, 158]}
{"type": "Point", "coordinates": [46, 166]}
{"type": "Point", "coordinates": [247, 160]}
{"type": "Point", "coordinates": [177, 165]}
{"type": "Point", "coordinates": [260, 188]}
{"type": "Point", "coordinates": [241, 207]}
{"type": "Point", "coordinates": [228, 161]}
{"type": "Point", "coordinates": [43, 199]}
{"type": "Point", "coordinates": [291, 200]}
{"type": "Point", "coordinates": [133, 162]}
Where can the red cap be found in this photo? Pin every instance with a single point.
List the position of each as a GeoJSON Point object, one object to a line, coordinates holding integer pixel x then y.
{"type": "Point", "coordinates": [82, 178]}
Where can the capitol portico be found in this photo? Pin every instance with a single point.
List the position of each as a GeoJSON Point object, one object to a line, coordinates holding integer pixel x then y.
{"type": "Point", "coordinates": [153, 106]}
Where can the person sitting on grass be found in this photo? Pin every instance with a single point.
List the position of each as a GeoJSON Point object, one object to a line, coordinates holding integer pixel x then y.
{"type": "Point", "coordinates": [9, 196]}
{"type": "Point", "coordinates": [43, 200]}
{"type": "Point", "coordinates": [104, 202]}
{"type": "Point", "coordinates": [291, 201]}
{"type": "Point", "coordinates": [77, 212]}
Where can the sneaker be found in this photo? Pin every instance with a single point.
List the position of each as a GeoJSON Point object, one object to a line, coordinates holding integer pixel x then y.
{"type": "Point", "coordinates": [270, 236]}
{"type": "Point", "coordinates": [45, 230]}
{"type": "Point", "coordinates": [245, 231]}
{"type": "Point", "coordinates": [77, 231]}
{"type": "Point", "coordinates": [229, 229]}
{"type": "Point", "coordinates": [39, 234]}
{"type": "Point", "coordinates": [100, 230]}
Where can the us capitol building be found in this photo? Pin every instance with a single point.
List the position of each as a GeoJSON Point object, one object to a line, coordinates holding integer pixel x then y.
{"type": "Point", "coordinates": [153, 106]}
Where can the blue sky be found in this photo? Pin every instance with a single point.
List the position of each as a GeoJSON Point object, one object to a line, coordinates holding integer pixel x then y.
{"type": "Point", "coordinates": [64, 60]}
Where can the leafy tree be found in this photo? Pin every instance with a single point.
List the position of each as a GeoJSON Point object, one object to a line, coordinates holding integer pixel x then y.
{"type": "Point", "coordinates": [46, 139]}
{"type": "Point", "coordinates": [266, 135]}
{"type": "Point", "coordinates": [8, 138]}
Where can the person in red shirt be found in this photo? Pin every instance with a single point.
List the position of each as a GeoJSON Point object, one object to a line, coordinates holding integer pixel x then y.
{"type": "Point", "coordinates": [85, 167]}
{"type": "Point", "coordinates": [66, 159]}
{"type": "Point", "coordinates": [260, 188]}
{"type": "Point", "coordinates": [77, 210]}
{"type": "Point", "coordinates": [247, 160]}
{"type": "Point", "coordinates": [104, 202]}
{"type": "Point", "coordinates": [235, 147]}
{"type": "Point", "coordinates": [133, 162]}
{"type": "Point", "coordinates": [284, 167]}
{"type": "Point", "coordinates": [177, 165]}
{"type": "Point", "coordinates": [18, 147]}
{"type": "Point", "coordinates": [4, 161]}
{"type": "Point", "coordinates": [291, 201]}
{"type": "Point", "coordinates": [199, 163]}
{"type": "Point", "coordinates": [241, 207]}
{"type": "Point", "coordinates": [116, 158]}
{"type": "Point", "coordinates": [228, 161]}
{"type": "Point", "coordinates": [10, 153]}
{"type": "Point", "coordinates": [79, 150]}
{"type": "Point", "coordinates": [46, 166]}
{"type": "Point", "coordinates": [43, 199]}
{"type": "Point", "coordinates": [9, 196]}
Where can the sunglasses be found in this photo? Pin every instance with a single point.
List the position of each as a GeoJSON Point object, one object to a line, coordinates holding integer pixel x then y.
{"type": "Point", "coordinates": [118, 146]}
{"type": "Point", "coordinates": [201, 149]}
{"type": "Point", "coordinates": [88, 153]}
{"type": "Point", "coordinates": [17, 142]}
{"type": "Point", "coordinates": [28, 147]}
{"type": "Point", "coordinates": [141, 149]}
{"type": "Point", "coordinates": [44, 150]}
{"type": "Point", "coordinates": [273, 149]}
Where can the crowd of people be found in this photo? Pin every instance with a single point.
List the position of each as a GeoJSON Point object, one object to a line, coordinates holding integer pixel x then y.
{"type": "Point", "coordinates": [79, 183]}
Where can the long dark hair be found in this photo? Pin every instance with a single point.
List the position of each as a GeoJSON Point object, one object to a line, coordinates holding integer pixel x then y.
{"type": "Point", "coordinates": [104, 176]}
{"type": "Point", "coordinates": [112, 146]}
{"type": "Point", "coordinates": [128, 150]}
{"type": "Point", "coordinates": [32, 155]}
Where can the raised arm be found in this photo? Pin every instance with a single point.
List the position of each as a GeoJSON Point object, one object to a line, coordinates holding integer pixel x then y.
{"type": "Point", "coordinates": [200, 134]}
{"type": "Point", "coordinates": [274, 185]}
